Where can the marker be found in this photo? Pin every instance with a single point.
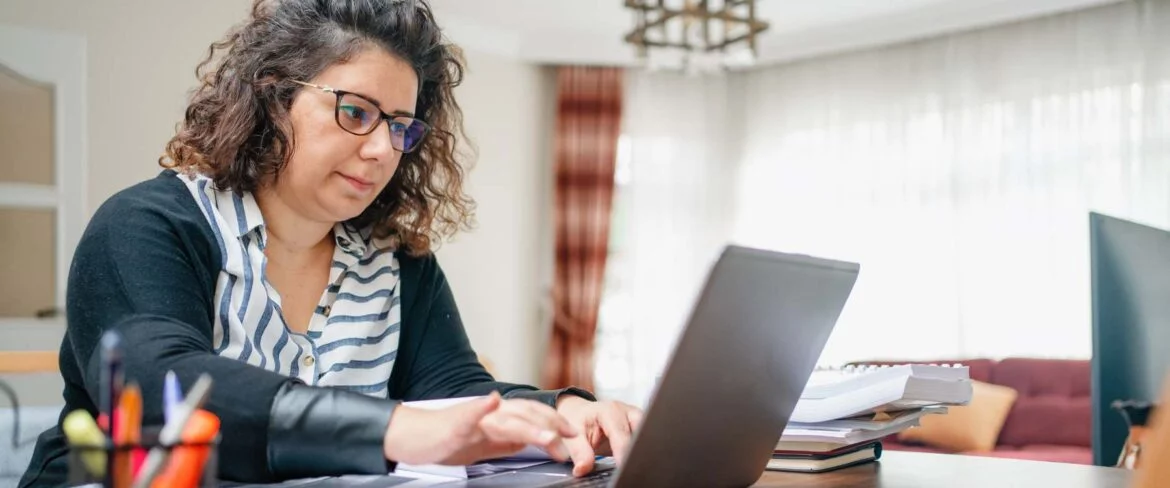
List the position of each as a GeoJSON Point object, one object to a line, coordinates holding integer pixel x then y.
{"type": "Point", "coordinates": [172, 395]}
{"type": "Point", "coordinates": [172, 432]}
{"type": "Point", "coordinates": [83, 432]}
{"type": "Point", "coordinates": [129, 433]}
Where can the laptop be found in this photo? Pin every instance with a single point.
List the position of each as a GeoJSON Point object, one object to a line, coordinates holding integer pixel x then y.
{"type": "Point", "coordinates": [736, 373]}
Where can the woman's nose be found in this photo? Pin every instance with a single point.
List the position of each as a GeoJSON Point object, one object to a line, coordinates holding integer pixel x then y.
{"type": "Point", "coordinates": [378, 144]}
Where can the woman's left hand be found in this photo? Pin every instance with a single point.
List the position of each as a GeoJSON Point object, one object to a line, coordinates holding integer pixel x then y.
{"type": "Point", "coordinates": [604, 428]}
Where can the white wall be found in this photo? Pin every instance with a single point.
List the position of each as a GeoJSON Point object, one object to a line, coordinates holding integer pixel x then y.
{"type": "Point", "coordinates": [500, 270]}
{"type": "Point", "coordinates": [142, 56]}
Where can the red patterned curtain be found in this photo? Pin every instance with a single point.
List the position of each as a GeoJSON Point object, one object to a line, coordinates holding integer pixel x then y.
{"type": "Point", "coordinates": [589, 113]}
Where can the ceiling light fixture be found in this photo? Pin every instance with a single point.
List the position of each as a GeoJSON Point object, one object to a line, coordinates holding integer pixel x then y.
{"type": "Point", "coordinates": [695, 35]}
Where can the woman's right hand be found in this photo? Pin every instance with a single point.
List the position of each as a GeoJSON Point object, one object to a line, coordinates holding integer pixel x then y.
{"type": "Point", "coordinates": [484, 428]}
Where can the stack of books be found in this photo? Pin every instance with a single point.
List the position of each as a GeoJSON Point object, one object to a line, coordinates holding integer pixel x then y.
{"type": "Point", "coordinates": [843, 414]}
{"type": "Point", "coordinates": [819, 462]}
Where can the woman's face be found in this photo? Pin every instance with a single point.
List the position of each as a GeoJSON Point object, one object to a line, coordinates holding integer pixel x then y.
{"type": "Point", "coordinates": [333, 175]}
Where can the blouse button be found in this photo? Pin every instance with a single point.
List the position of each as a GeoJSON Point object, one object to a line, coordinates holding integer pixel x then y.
{"type": "Point", "coordinates": [325, 311]}
{"type": "Point", "coordinates": [308, 361]}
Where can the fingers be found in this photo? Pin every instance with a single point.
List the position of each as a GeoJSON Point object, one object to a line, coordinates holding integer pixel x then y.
{"type": "Point", "coordinates": [421, 436]}
{"type": "Point", "coordinates": [471, 413]}
{"type": "Point", "coordinates": [506, 427]}
{"type": "Point", "coordinates": [541, 414]}
{"type": "Point", "coordinates": [635, 417]}
{"type": "Point", "coordinates": [489, 404]}
{"type": "Point", "coordinates": [581, 452]}
{"type": "Point", "coordinates": [615, 424]}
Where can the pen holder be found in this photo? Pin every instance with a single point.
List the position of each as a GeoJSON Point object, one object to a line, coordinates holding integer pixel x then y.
{"type": "Point", "coordinates": [188, 465]}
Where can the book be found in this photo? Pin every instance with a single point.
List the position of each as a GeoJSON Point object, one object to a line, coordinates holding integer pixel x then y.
{"type": "Point", "coordinates": [801, 449]}
{"type": "Point", "coordinates": [851, 392]}
{"type": "Point", "coordinates": [822, 462]}
{"type": "Point", "coordinates": [813, 446]}
{"type": "Point", "coordinates": [874, 422]}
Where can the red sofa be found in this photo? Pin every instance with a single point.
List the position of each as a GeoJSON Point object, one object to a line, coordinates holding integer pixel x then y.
{"type": "Point", "coordinates": [1051, 419]}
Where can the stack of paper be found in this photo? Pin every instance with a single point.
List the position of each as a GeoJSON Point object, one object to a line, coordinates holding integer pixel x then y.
{"type": "Point", "coordinates": [842, 415]}
{"type": "Point", "coordinates": [851, 392]}
{"type": "Point", "coordinates": [836, 434]}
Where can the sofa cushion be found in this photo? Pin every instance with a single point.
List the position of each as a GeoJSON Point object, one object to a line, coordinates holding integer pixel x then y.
{"type": "Point", "coordinates": [1044, 377]}
{"type": "Point", "coordinates": [1054, 405]}
{"type": "Point", "coordinates": [1049, 420]}
{"type": "Point", "coordinates": [974, 427]}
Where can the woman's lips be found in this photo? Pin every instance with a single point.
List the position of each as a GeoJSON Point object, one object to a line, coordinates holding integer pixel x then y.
{"type": "Point", "coordinates": [358, 183]}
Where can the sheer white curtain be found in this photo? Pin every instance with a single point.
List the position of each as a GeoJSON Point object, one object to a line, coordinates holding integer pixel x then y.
{"type": "Point", "coordinates": [672, 213]}
{"type": "Point", "coordinates": [958, 170]}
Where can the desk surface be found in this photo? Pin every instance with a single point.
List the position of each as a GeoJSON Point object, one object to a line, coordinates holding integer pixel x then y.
{"type": "Point", "coordinates": [914, 470]}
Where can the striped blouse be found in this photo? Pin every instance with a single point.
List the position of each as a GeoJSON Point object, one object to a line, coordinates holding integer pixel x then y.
{"type": "Point", "coordinates": [352, 340]}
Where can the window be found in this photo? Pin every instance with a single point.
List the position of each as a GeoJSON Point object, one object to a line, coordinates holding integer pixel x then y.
{"type": "Point", "coordinates": [613, 348]}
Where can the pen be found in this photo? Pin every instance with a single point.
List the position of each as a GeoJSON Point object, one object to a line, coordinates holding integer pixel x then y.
{"type": "Point", "coordinates": [172, 432]}
{"type": "Point", "coordinates": [83, 433]}
{"type": "Point", "coordinates": [110, 390]}
{"type": "Point", "coordinates": [110, 381]}
{"type": "Point", "coordinates": [172, 395]}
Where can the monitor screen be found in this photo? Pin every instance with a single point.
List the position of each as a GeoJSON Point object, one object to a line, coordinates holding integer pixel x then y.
{"type": "Point", "coordinates": [1131, 323]}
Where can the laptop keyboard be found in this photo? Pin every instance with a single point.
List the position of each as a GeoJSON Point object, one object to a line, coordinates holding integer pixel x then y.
{"type": "Point", "coordinates": [596, 479]}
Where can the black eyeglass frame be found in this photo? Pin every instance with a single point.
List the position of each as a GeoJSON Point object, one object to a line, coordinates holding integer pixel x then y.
{"type": "Point", "coordinates": [382, 116]}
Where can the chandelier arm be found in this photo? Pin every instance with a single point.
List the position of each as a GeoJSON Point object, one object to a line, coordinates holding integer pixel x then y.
{"type": "Point", "coordinates": [703, 45]}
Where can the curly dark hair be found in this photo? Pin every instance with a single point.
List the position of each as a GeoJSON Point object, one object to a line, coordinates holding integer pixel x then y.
{"type": "Point", "coordinates": [237, 132]}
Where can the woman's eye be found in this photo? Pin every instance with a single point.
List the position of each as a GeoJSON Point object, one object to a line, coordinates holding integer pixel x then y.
{"type": "Point", "coordinates": [398, 128]}
{"type": "Point", "coordinates": [354, 112]}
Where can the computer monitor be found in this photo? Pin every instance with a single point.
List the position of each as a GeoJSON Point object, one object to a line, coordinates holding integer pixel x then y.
{"type": "Point", "coordinates": [1131, 323]}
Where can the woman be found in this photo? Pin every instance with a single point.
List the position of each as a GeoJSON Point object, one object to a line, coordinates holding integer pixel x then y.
{"type": "Point", "coordinates": [286, 251]}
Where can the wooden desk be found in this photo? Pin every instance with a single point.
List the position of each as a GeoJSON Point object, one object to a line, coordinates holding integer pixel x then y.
{"type": "Point", "coordinates": [922, 470]}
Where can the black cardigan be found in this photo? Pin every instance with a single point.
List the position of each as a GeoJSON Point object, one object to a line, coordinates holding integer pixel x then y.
{"type": "Point", "coordinates": [147, 266]}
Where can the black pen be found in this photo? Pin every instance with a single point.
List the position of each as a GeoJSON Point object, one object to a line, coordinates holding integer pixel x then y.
{"type": "Point", "coordinates": [110, 388]}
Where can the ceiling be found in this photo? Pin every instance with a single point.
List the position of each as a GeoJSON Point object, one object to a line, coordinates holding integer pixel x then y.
{"type": "Point", "coordinates": [591, 31]}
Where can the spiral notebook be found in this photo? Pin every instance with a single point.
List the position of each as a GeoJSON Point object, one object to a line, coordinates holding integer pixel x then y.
{"type": "Point", "coordinates": [840, 393]}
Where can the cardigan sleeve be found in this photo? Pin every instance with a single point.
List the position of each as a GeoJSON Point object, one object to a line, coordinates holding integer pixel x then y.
{"type": "Point", "coordinates": [146, 267]}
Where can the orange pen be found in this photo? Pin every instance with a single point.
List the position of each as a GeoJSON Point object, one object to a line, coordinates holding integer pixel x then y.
{"type": "Point", "coordinates": [129, 433]}
{"type": "Point", "coordinates": [185, 466]}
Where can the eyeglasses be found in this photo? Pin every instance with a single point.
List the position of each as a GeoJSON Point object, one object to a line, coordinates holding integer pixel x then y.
{"type": "Point", "coordinates": [359, 116]}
